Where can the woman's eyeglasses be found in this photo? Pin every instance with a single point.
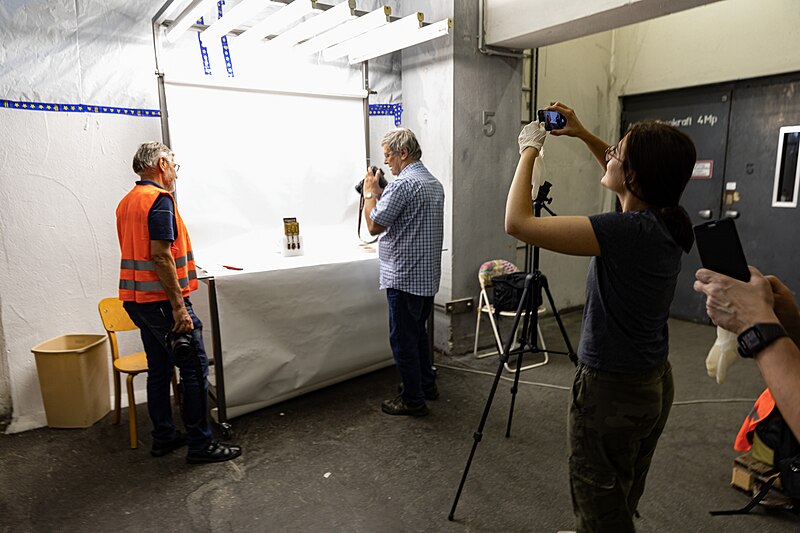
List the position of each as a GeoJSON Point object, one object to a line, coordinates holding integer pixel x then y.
{"type": "Point", "coordinates": [611, 151]}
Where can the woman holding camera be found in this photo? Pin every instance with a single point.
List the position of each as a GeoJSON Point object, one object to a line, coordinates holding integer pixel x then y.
{"type": "Point", "coordinates": [623, 390]}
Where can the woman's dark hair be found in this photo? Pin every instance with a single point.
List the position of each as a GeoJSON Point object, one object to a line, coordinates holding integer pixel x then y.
{"type": "Point", "coordinates": [659, 160]}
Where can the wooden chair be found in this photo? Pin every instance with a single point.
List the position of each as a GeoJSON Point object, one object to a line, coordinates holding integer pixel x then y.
{"type": "Point", "coordinates": [115, 319]}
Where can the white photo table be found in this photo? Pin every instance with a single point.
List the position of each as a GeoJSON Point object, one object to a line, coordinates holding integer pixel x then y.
{"type": "Point", "coordinates": [284, 326]}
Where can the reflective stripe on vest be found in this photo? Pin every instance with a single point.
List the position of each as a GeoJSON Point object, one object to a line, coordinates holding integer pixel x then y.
{"type": "Point", "coordinates": [138, 279]}
{"type": "Point", "coordinates": [150, 286]}
{"type": "Point", "coordinates": [132, 264]}
{"type": "Point", "coordinates": [761, 410]}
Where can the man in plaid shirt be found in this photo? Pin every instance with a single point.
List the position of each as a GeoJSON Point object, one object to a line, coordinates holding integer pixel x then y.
{"type": "Point", "coordinates": [409, 217]}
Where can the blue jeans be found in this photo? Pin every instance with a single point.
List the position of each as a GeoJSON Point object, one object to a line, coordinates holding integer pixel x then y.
{"type": "Point", "coordinates": [155, 321]}
{"type": "Point", "coordinates": [408, 336]}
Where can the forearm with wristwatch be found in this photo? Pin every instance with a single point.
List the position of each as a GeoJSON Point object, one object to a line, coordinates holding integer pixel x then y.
{"type": "Point", "coordinates": [757, 337]}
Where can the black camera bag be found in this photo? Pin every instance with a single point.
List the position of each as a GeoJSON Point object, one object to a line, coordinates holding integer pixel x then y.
{"type": "Point", "coordinates": [508, 290]}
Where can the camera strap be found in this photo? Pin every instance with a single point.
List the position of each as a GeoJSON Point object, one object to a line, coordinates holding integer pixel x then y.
{"type": "Point", "coordinates": [360, 218]}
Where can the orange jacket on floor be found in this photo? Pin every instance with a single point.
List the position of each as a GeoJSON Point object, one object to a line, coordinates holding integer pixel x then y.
{"type": "Point", "coordinates": [762, 408]}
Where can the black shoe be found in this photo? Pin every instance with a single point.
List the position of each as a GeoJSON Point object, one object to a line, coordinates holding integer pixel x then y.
{"type": "Point", "coordinates": [398, 406]}
{"type": "Point", "coordinates": [215, 452]}
{"type": "Point", "coordinates": [431, 393]}
{"type": "Point", "coordinates": [161, 448]}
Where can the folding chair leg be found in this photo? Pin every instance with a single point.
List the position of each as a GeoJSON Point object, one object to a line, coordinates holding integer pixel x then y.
{"type": "Point", "coordinates": [542, 349]}
{"type": "Point", "coordinates": [477, 333]}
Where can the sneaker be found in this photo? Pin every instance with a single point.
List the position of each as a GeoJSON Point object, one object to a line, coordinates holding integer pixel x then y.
{"type": "Point", "coordinates": [162, 448]}
{"type": "Point", "coordinates": [215, 452]}
{"type": "Point", "coordinates": [431, 393]}
{"type": "Point", "coordinates": [398, 406]}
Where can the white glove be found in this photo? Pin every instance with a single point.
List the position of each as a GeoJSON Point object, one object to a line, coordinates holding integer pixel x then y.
{"type": "Point", "coordinates": [532, 135]}
{"type": "Point", "coordinates": [722, 355]}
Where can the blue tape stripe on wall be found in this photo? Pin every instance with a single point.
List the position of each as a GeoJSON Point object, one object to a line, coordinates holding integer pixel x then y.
{"type": "Point", "coordinates": [79, 108]}
{"type": "Point", "coordinates": [395, 110]}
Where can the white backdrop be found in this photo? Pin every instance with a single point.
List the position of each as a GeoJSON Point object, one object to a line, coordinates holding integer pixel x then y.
{"type": "Point", "coordinates": [249, 159]}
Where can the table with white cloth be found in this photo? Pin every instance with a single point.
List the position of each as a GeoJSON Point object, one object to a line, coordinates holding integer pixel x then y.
{"type": "Point", "coordinates": [284, 326]}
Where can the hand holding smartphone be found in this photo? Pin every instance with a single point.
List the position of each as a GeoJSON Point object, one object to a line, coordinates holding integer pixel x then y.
{"type": "Point", "coordinates": [720, 248]}
{"type": "Point", "coordinates": [553, 120]}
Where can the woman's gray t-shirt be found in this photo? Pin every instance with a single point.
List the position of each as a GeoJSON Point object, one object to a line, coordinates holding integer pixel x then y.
{"type": "Point", "coordinates": [629, 290]}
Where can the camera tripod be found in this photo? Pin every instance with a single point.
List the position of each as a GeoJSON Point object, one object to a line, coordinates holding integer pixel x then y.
{"type": "Point", "coordinates": [527, 313]}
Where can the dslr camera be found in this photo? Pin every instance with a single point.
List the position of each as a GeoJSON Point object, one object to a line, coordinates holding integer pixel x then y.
{"type": "Point", "coordinates": [381, 180]}
{"type": "Point", "coordinates": [182, 347]}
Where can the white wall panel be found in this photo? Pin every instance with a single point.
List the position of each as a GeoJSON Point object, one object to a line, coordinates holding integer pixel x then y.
{"type": "Point", "coordinates": [61, 177]}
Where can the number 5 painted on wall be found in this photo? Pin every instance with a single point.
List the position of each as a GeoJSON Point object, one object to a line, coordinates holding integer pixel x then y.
{"type": "Point", "coordinates": [488, 124]}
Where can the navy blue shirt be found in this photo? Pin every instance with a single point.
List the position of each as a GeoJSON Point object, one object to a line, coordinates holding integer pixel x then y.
{"type": "Point", "coordinates": [629, 290]}
{"type": "Point", "coordinates": [161, 219]}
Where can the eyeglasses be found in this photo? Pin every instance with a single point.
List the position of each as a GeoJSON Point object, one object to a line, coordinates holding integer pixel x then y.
{"type": "Point", "coordinates": [177, 167]}
{"type": "Point", "coordinates": [611, 151]}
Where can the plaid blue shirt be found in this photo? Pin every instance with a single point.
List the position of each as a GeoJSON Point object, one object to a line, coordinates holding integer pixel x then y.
{"type": "Point", "coordinates": [411, 209]}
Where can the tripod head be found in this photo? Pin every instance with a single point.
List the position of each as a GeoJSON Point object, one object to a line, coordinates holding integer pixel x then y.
{"type": "Point", "coordinates": [543, 193]}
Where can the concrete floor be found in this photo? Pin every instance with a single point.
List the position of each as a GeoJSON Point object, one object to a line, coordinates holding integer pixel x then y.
{"type": "Point", "coordinates": [331, 461]}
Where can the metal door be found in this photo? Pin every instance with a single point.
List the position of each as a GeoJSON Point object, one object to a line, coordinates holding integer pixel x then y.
{"type": "Point", "coordinates": [770, 235]}
{"type": "Point", "coordinates": [703, 114]}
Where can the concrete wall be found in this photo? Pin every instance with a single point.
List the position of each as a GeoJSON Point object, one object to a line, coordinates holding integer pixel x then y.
{"type": "Point", "coordinates": [575, 73]}
{"type": "Point", "coordinates": [723, 41]}
{"type": "Point", "coordinates": [448, 85]}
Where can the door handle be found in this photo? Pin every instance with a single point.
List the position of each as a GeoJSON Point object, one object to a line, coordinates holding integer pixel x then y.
{"type": "Point", "coordinates": [705, 214]}
{"type": "Point", "coordinates": [731, 214]}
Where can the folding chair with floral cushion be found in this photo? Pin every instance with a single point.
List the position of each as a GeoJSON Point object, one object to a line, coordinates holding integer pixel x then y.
{"type": "Point", "coordinates": [486, 273]}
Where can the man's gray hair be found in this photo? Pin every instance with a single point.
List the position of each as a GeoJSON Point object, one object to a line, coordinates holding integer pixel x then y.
{"type": "Point", "coordinates": [148, 154]}
{"type": "Point", "coordinates": [400, 138]}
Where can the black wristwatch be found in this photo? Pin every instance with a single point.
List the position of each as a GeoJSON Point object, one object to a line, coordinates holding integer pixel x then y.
{"type": "Point", "coordinates": [759, 336]}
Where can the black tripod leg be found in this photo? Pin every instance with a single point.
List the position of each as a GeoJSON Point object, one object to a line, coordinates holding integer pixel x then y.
{"type": "Point", "coordinates": [529, 324]}
{"type": "Point", "coordinates": [478, 435]}
{"type": "Point", "coordinates": [570, 351]}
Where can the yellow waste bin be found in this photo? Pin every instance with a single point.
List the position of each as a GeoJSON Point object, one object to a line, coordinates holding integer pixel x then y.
{"type": "Point", "coordinates": [73, 379]}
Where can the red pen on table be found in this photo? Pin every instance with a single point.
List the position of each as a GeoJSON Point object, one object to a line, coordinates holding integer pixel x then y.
{"type": "Point", "coordinates": [231, 267]}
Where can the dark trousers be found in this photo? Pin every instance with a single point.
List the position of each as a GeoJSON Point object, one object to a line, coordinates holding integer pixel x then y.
{"type": "Point", "coordinates": [155, 321]}
{"type": "Point", "coordinates": [408, 335]}
{"type": "Point", "coordinates": [615, 421]}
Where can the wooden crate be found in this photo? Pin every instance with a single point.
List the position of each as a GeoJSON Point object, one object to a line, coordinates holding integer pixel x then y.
{"type": "Point", "coordinates": [749, 473]}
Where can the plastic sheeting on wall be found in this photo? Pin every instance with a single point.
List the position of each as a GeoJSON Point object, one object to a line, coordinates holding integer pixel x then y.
{"type": "Point", "coordinates": [79, 51]}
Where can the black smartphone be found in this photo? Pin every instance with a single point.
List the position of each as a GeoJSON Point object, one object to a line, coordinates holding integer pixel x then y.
{"type": "Point", "coordinates": [720, 248]}
{"type": "Point", "coordinates": [553, 120]}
